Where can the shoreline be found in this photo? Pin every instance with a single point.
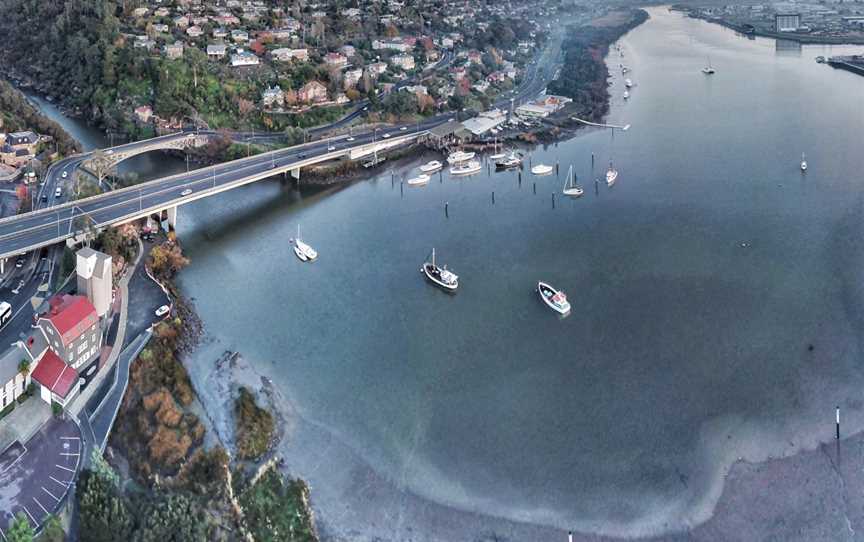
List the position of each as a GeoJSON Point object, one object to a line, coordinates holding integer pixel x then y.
{"type": "Point", "coordinates": [803, 39]}
{"type": "Point", "coordinates": [348, 493]}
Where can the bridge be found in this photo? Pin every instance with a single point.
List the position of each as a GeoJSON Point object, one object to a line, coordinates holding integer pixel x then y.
{"type": "Point", "coordinates": [100, 162]}
{"type": "Point", "coordinates": [47, 226]}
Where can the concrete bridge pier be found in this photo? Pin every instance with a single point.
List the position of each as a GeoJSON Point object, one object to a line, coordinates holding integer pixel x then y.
{"type": "Point", "coordinates": [3, 265]}
{"type": "Point", "coordinates": [172, 217]}
{"type": "Point", "coordinates": [295, 174]}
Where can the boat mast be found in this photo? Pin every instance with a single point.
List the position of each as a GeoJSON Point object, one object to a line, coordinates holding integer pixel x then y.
{"type": "Point", "coordinates": [433, 257]}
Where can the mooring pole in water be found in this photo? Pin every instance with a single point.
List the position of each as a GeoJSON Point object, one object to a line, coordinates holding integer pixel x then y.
{"type": "Point", "coordinates": [556, 168]}
{"type": "Point", "coordinates": [401, 189]}
{"type": "Point", "coordinates": [446, 211]}
{"type": "Point", "coordinates": [592, 159]}
{"type": "Point", "coordinates": [837, 412]}
{"type": "Point", "coordinates": [520, 178]}
{"type": "Point", "coordinates": [493, 197]}
{"type": "Point", "coordinates": [553, 200]}
{"type": "Point", "coordinates": [441, 176]}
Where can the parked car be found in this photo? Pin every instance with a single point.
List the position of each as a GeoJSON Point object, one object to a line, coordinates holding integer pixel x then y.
{"type": "Point", "coordinates": [58, 192]}
{"type": "Point", "coordinates": [65, 174]}
{"type": "Point", "coordinates": [44, 198]}
{"type": "Point", "coordinates": [162, 311]}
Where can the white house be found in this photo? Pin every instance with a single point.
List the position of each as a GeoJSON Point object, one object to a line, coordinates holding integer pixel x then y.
{"type": "Point", "coordinates": [244, 58]}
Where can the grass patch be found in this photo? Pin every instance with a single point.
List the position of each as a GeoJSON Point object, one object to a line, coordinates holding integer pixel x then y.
{"type": "Point", "coordinates": [255, 426]}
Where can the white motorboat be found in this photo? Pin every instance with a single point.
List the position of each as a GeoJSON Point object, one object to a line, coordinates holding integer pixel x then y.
{"type": "Point", "coordinates": [459, 156]}
{"type": "Point", "coordinates": [628, 83]}
{"type": "Point", "coordinates": [626, 94]}
{"type": "Point", "coordinates": [542, 169]}
{"type": "Point", "coordinates": [440, 276]}
{"type": "Point", "coordinates": [611, 175]}
{"type": "Point", "coordinates": [803, 162]}
{"type": "Point", "coordinates": [466, 169]}
{"type": "Point", "coordinates": [570, 187]}
{"type": "Point", "coordinates": [510, 161]}
{"type": "Point", "coordinates": [419, 180]}
{"type": "Point", "coordinates": [303, 251]}
{"type": "Point", "coordinates": [429, 167]}
{"type": "Point", "coordinates": [624, 69]}
{"type": "Point", "coordinates": [498, 156]}
{"type": "Point", "coordinates": [708, 70]}
{"type": "Point", "coordinates": [555, 299]}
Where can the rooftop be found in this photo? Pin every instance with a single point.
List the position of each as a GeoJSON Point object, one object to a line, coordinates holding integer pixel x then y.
{"type": "Point", "coordinates": [55, 375]}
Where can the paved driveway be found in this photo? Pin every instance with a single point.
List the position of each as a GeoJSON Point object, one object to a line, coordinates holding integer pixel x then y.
{"type": "Point", "coordinates": [35, 476]}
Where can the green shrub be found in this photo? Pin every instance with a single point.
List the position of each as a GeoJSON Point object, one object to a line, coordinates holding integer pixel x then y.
{"type": "Point", "coordinates": [254, 426]}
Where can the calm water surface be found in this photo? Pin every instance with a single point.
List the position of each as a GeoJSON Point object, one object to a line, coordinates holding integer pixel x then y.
{"type": "Point", "coordinates": [697, 284]}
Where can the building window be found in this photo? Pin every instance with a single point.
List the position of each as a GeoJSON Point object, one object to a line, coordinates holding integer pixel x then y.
{"type": "Point", "coordinates": [82, 347]}
{"type": "Point", "coordinates": [50, 330]}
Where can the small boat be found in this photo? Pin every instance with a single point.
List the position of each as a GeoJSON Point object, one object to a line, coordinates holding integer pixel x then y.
{"type": "Point", "coordinates": [570, 187]}
{"type": "Point", "coordinates": [374, 162]}
{"type": "Point", "coordinates": [302, 250]}
{"type": "Point", "coordinates": [542, 169]}
{"type": "Point", "coordinates": [820, 59]}
{"type": "Point", "coordinates": [512, 160]}
{"type": "Point", "coordinates": [708, 70]}
{"type": "Point", "coordinates": [440, 276]}
{"type": "Point", "coordinates": [555, 299]}
{"type": "Point", "coordinates": [466, 169]}
{"type": "Point", "coordinates": [803, 162]}
{"type": "Point", "coordinates": [628, 83]}
{"type": "Point", "coordinates": [626, 94]}
{"type": "Point", "coordinates": [624, 69]}
{"type": "Point", "coordinates": [498, 156]}
{"type": "Point", "coordinates": [419, 180]}
{"type": "Point", "coordinates": [459, 156]}
{"type": "Point", "coordinates": [611, 175]}
{"type": "Point", "coordinates": [429, 167]}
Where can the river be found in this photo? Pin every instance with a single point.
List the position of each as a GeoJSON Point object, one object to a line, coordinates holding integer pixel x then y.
{"type": "Point", "coordinates": [716, 296]}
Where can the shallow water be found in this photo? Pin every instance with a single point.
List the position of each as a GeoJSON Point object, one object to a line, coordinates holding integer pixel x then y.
{"type": "Point", "coordinates": [697, 282]}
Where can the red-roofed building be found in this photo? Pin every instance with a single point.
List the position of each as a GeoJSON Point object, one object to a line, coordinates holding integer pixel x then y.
{"type": "Point", "coordinates": [58, 382]}
{"type": "Point", "coordinates": [71, 327]}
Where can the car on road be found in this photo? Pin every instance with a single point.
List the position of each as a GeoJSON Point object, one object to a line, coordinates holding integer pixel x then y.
{"type": "Point", "coordinates": [386, 136]}
{"type": "Point", "coordinates": [19, 263]}
{"type": "Point", "coordinates": [58, 192]}
{"type": "Point", "coordinates": [44, 198]}
{"type": "Point", "coordinates": [301, 155]}
{"type": "Point", "coordinates": [109, 152]}
{"type": "Point", "coordinates": [403, 128]}
{"type": "Point", "coordinates": [331, 148]}
{"type": "Point", "coordinates": [350, 139]}
{"type": "Point", "coordinates": [64, 174]}
{"type": "Point", "coordinates": [162, 311]}
{"type": "Point", "coordinates": [186, 192]}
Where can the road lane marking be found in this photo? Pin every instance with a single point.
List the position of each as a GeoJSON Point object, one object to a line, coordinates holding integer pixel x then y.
{"type": "Point", "coordinates": [40, 506]}
{"type": "Point", "coordinates": [64, 484]}
{"type": "Point", "coordinates": [69, 454]}
{"type": "Point", "coordinates": [35, 523]}
{"type": "Point", "coordinates": [49, 493]}
{"type": "Point", "coordinates": [70, 438]}
{"type": "Point", "coordinates": [64, 468]}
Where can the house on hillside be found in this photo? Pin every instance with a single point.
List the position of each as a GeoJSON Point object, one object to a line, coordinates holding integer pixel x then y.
{"type": "Point", "coordinates": [13, 382]}
{"type": "Point", "coordinates": [216, 51]}
{"type": "Point", "coordinates": [174, 50]}
{"type": "Point", "coordinates": [312, 92]}
{"type": "Point", "coordinates": [244, 58]}
{"type": "Point", "coordinates": [144, 113]}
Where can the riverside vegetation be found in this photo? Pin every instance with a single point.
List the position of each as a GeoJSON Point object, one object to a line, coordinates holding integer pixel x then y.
{"type": "Point", "coordinates": [166, 484]}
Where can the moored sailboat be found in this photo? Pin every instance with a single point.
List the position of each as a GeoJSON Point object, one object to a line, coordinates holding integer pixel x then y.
{"type": "Point", "coordinates": [440, 276]}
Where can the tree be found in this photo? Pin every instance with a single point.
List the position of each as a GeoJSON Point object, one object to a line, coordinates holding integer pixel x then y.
{"type": "Point", "coordinates": [24, 367]}
{"type": "Point", "coordinates": [53, 530]}
{"type": "Point", "coordinates": [20, 529]}
{"type": "Point", "coordinates": [104, 512]}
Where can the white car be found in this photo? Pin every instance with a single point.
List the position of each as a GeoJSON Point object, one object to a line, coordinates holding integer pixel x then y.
{"type": "Point", "coordinates": [58, 192]}
{"type": "Point", "coordinates": [386, 136]}
{"type": "Point", "coordinates": [331, 148]}
{"type": "Point", "coordinates": [186, 192]}
{"type": "Point", "coordinates": [65, 174]}
{"type": "Point", "coordinates": [162, 311]}
{"type": "Point", "coordinates": [403, 128]}
{"type": "Point", "coordinates": [109, 152]}
{"type": "Point", "coordinates": [350, 139]}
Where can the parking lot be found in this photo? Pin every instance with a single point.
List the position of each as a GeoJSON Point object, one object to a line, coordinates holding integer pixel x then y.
{"type": "Point", "coordinates": [35, 476]}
